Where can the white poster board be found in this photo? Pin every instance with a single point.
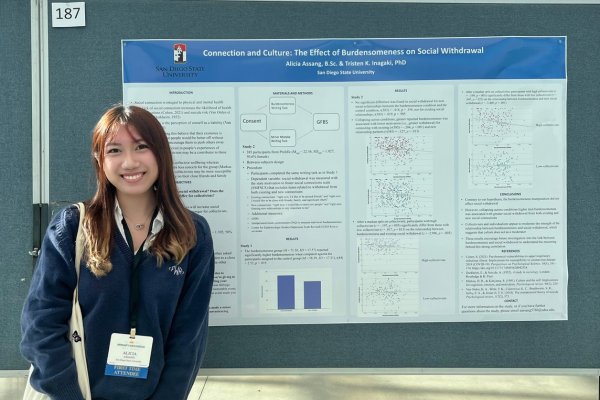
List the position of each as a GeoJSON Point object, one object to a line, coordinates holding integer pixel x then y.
{"type": "Point", "coordinates": [385, 180]}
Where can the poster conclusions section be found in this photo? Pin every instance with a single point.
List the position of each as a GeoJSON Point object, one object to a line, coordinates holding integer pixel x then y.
{"type": "Point", "coordinates": [384, 180]}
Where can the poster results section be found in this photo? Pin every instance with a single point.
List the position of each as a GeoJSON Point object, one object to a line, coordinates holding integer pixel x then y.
{"type": "Point", "coordinates": [200, 127]}
{"type": "Point", "coordinates": [402, 219]}
{"type": "Point", "coordinates": [512, 163]}
{"type": "Point", "coordinates": [292, 208]}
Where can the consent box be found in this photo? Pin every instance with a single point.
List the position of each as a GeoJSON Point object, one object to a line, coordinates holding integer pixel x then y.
{"type": "Point", "coordinates": [282, 105]}
{"type": "Point", "coordinates": [326, 122]}
{"type": "Point", "coordinates": [282, 138]}
{"type": "Point", "coordinates": [253, 122]}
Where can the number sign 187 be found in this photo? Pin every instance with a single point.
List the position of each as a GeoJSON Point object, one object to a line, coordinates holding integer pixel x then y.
{"type": "Point", "coordinates": [66, 15]}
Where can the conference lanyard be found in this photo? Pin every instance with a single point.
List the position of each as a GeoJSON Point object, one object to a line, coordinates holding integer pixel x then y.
{"type": "Point", "coordinates": [134, 293]}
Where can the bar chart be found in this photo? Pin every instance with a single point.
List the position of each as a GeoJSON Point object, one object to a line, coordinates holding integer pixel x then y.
{"type": "Point", "coordinates": [295, 290]}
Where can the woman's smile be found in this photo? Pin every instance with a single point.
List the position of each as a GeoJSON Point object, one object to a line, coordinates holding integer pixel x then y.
{"type": "Point", "coordinates": [132, 178]}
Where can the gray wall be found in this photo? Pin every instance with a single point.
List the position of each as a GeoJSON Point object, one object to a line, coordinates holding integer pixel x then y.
{"type": "Point", "coordinates": [15, 175]}
{"type": "Point", "coordinates": [85, 79]}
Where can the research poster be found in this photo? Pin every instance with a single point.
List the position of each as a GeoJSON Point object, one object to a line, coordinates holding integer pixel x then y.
{"type": "Point", "coordinates": [369, 180]}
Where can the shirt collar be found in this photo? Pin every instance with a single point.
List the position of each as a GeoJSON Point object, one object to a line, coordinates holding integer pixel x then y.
{"type": "Point", "coordinates": [156, 225]}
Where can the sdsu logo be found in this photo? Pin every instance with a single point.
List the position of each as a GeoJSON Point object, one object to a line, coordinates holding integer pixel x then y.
{"type": "Point", "coordinates": [179, 55]}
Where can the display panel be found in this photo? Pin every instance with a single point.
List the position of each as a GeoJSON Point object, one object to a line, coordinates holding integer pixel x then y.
{"type": "Point", "coordinates": [389, 180]}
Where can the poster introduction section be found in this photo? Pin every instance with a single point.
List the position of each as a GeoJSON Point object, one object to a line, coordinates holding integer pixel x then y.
{"type": "Point", "coordinates": [389, 180]}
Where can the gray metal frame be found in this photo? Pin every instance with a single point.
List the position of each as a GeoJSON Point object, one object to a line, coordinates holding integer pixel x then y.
{"type": "Point", "coordinates": [39, 101]}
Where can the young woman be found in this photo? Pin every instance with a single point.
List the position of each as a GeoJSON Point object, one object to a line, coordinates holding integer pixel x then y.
{"type": "Point", "coordinates": [147, 271]}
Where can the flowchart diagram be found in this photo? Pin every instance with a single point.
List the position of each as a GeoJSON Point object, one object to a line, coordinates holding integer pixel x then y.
{"type": "Point", "coordinates": [286, 119]}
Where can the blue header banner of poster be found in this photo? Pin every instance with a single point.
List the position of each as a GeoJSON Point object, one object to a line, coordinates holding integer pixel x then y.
{"type": "Point", "coordinates": [166, 61]}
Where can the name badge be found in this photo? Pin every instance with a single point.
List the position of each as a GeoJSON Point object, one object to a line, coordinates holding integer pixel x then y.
{"type": "Point", "coordinates": [127, 357]}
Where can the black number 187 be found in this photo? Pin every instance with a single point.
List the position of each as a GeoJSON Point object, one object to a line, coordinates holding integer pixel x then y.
{"type": "Point", "coordinates": [68, 13]}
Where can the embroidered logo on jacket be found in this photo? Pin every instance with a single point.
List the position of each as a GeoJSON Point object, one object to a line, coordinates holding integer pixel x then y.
{"type": "Point", "coordinates": [176, 270]}
{"type": "Point", "coordinates": [76, 337]}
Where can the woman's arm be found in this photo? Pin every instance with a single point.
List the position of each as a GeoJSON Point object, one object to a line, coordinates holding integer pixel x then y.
{"type": "Point", "coordinates": [186, 343]}
{"type": "Point", "coordinates": [47, 310]}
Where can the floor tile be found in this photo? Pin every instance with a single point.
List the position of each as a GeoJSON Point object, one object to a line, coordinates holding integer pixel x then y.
{"type": "Point", "coordinates": [405, 387]}
{"type": "Point", "coordinates": [197, 388]}
{"type": "Point", "coordinates": [12, 388]}
{"type": "Point", "coordinates": [375, 387]}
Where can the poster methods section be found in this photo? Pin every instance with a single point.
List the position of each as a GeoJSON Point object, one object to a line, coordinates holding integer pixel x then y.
{"type": "Point", "coordinates": [396, 180]}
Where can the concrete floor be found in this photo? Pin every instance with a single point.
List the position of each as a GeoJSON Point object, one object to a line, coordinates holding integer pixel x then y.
{"type": "Point", "coordinates": [375, 387]}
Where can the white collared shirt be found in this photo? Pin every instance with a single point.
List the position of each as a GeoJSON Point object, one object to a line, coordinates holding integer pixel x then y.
{"type": "Point", "coordinates": [156, 225]}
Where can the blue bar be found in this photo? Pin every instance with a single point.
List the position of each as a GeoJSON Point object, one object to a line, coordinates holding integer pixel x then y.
{"type": "Point", "coordinates": [345, 60]}
{"type": "Point", "coordinates": [126, 372]}
{"type": "Point", "coordinates": [286, 293]}
{"type": "Point", "coordinates": [312, 294]}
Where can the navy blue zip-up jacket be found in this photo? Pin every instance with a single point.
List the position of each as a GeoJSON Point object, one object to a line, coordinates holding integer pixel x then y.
{"type": "Point", "coordinates": [173, 309]}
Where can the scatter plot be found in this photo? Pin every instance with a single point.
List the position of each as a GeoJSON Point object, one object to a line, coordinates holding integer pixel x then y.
{"type": "Point", "coordinates": [500, 125]}
{"type": "Point", "coordinates": [379, 254]}
{"type": "Point", "coordinates": [401, 154]}
{"type": "Point", "coordinates": [501, 166]}
{"type": "Point", "coordinates": [390, 296]}
{"type": "Point", "coordinates": [402, 196]}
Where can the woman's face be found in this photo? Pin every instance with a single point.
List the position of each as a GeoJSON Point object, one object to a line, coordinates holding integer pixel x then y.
{"type": "Point", "coordinates": [129, 164]}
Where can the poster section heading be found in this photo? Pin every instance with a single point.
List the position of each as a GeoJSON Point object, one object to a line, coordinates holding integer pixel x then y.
{"type": "Point", "coordinates": [167, 61]}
